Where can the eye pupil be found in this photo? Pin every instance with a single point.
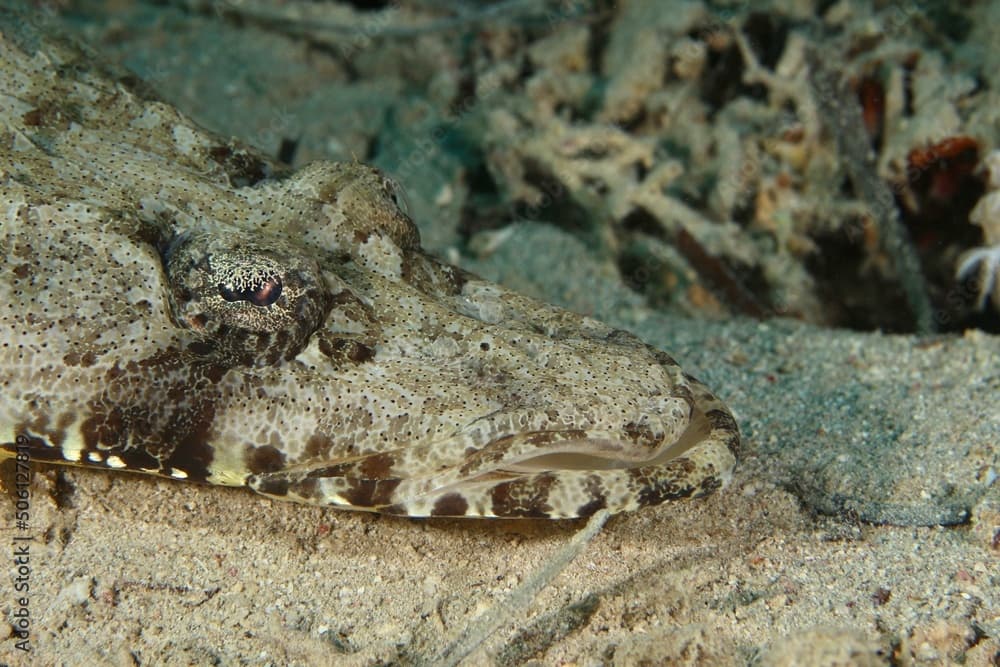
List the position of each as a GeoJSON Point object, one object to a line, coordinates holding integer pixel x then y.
{"type": "Point", "coordinates": [261, 294]}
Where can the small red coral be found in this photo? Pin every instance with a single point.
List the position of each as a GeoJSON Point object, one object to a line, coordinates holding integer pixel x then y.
{"type": "Point", "coordinates": [871, 94]}
{"type": "Point", "coordinates": [940, 168]}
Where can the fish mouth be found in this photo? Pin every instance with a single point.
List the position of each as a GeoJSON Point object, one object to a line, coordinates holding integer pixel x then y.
{"type": "Point", "coordinates": [581, 455]}
{"type": "Point", "coordinates": [605, 452]}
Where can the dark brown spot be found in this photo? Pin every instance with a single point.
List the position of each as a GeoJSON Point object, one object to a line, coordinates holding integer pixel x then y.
{"type": "Point", "coordinates": [359, 353]}
{"type": "Point", "coordinates": [86, 359]}
{"type": "Point", "coordinates": [451, 504]}
{"type": "Point", "coordinates": [662, 483]}
{"type": "Point", "coordinates": [527, 497]}
{"type": "Point", "coordinates": [345, 297]}
{"type": "Point", "coordinates": [378, 466]}
{"type": "Point", "coordinates": [662, 492]}
{"type": "Point", "coordinates": [371, 493]}
{"type": "Point", "coordinates": [52, 115]}
{"type": "Point", "coordinates": [272, 485]}
{"type": "Point", "coordinates": [588, 509]}
{"type": "Point", "coordinates": [337, 470]}
{"type": "Point", "coordinates": [541, 438]}
{"type": "Point", "coordinates": [157, 414]}
{"type": "Point", "coordinates": [192, 455]}
{"type": "Point", "coordinates": [881, 596]}
{"type": "Point", "coordinates": [136, 458]}
{"type": "Point", "coordinates": [279, 346]}
{"type": "Point", "coordinates": [32, 118]}
{"type": "Point", "coordinates": [318, 446]}
{"type": "Point", "coordinates": [65, 420]}
{"type": "Point", "coordinates": [642, 435]}
{"type": "Point", "coordinates": [414, 273]}
{"type": "Point", "coordinates": [709, 485]}
{"type": "Point", "coordinates": [24, 251]}
{"type": "Point", "coordinates": [57, 437]}
{"type": "Point", "coordinates": [354, 309]}
{"type": "Point", "coordinates": [38, 424]}
{"type": "Point", "coordinates": [202, 348]}
{"type": "Point", "coordinates": [104, 429]}
{"type": "Point", "coordinates": [41, 426]}
{"type": "Point", "coordinates": [341, 350]}
{"type": "Point", "coordinates": [242, 167]}
{"type": "Point", "coordinates": [307, 489]}
{"type": "Point", "coordinates": [264, 459]}
{"type": "Point", "coordinates": [595, 490]}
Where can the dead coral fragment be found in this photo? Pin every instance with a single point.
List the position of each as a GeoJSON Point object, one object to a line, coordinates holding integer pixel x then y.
{"type": "Point", "coordinates": [986, 258]}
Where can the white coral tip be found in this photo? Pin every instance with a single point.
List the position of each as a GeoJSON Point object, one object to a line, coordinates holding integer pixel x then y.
{"type": "Point", "coordinates": [988, 261]}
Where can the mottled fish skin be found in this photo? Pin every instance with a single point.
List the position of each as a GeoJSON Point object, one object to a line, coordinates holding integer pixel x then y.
{"type": "Point", "coordinates": [174, 305]}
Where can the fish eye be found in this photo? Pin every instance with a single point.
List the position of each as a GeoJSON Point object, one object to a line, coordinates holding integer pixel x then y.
{"type": "Point", "coordinates": [249, 302]}
{"type": "Point", "coordinates": [261, 293]}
